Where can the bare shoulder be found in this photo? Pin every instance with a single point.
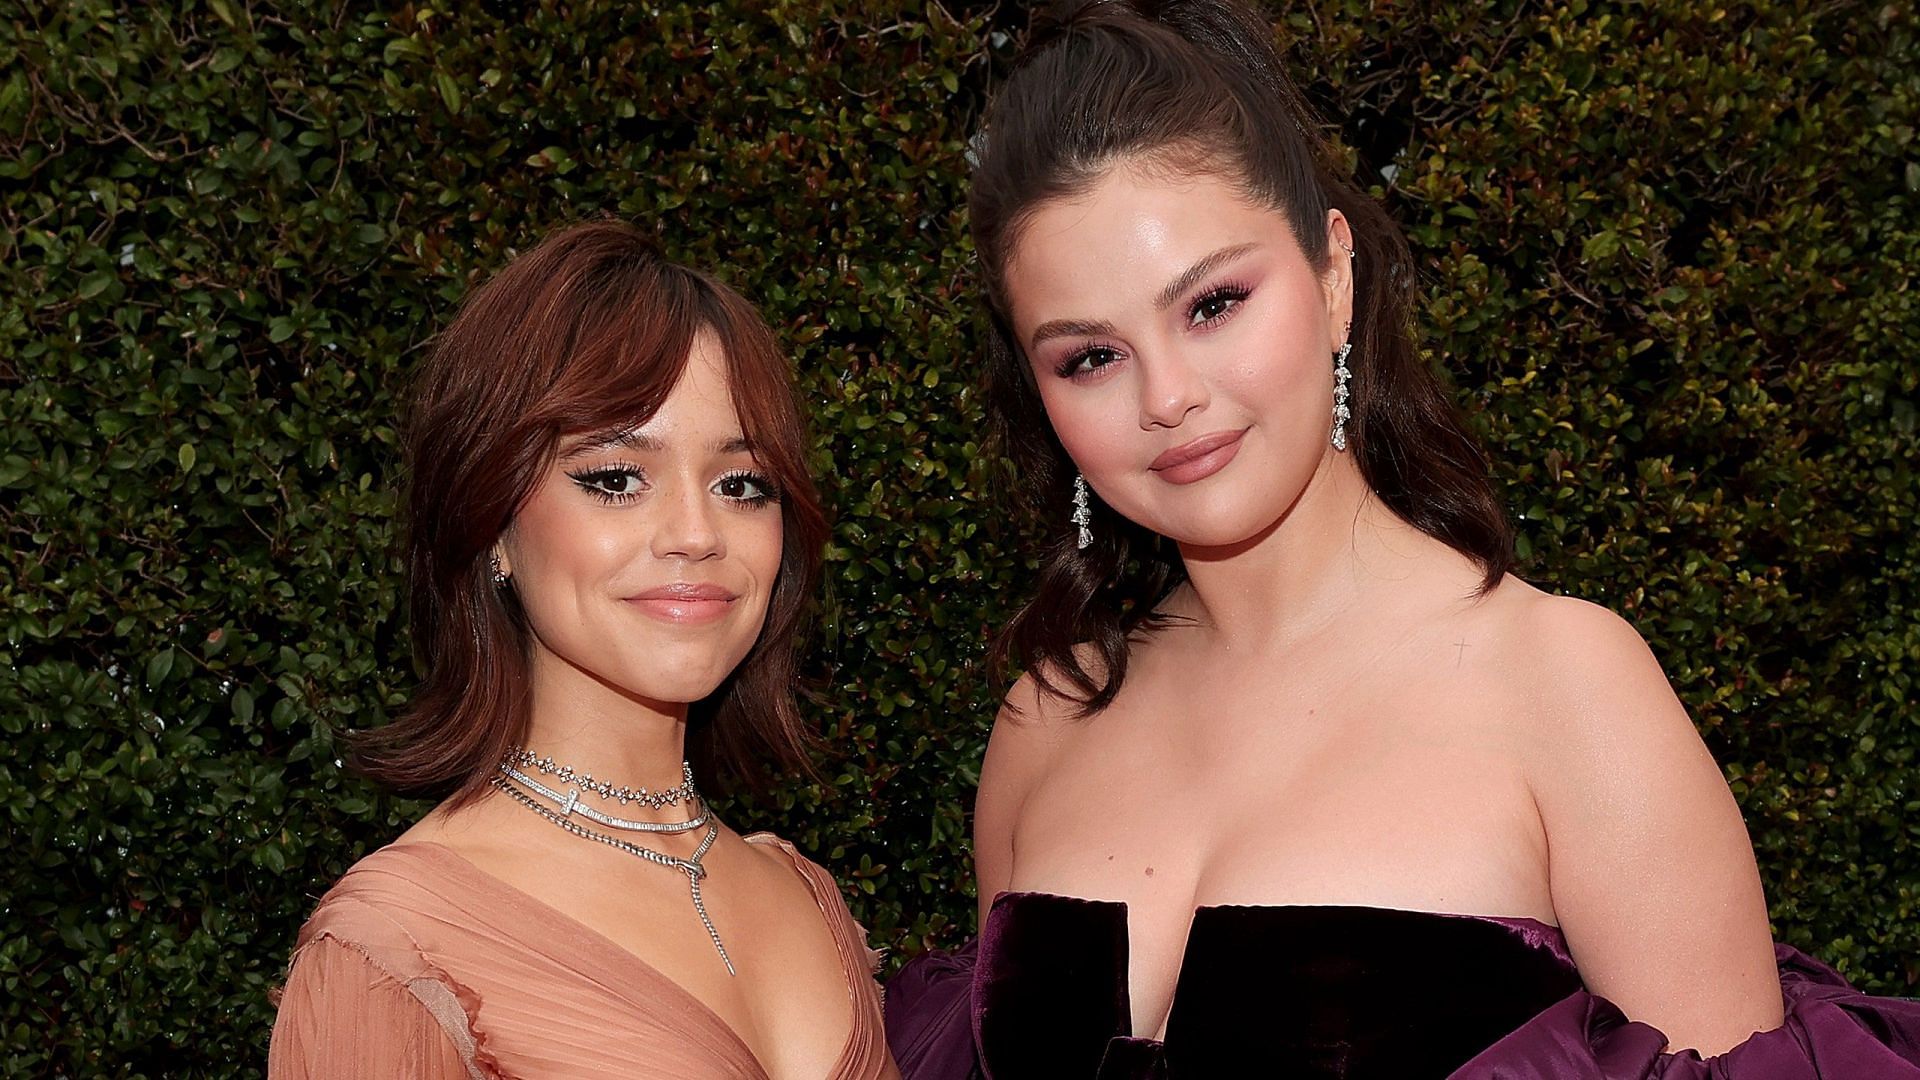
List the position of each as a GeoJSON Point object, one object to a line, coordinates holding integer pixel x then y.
{"type": "Point", "coordinates": [1034, 726]}
{"type": "Point", "coordinates": [1035, 721]}
{"type": "Point", "coordinates": [1587, 703]}
{"type": "Point", "coordinates": [1593, 684]}
{"type": "Point", "coordinates": [1583, 641]}
{"type": "Point", "coordinates": [484, 831]}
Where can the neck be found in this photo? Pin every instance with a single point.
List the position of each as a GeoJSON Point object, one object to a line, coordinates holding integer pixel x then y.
{"type": "Point", "coordinates": [582, 721]}
{"type": "Point", "coordinates": [1300, 574]}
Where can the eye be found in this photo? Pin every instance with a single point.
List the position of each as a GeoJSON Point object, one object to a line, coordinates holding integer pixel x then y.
{"type": "Point", "coordinates": [1087, 361]}
{"type": "Point", "coordinates": [1213, 308]}
{"type": "Point", "coordinates": [614, 485]}
{"type": "Point", "coordinates": [746, 487]}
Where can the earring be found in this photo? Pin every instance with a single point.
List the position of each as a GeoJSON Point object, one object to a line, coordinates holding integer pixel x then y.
{"type": "Point", "coordinates": [1082, 514]}
{"type": "Point", "coordinates": [1341, 414]}
{"type": "Point", "coordinates": [493, 566]}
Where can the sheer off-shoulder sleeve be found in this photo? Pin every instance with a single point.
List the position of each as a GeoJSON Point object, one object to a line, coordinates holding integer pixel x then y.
{"type": "Point", "coordinates": [343, 1016]}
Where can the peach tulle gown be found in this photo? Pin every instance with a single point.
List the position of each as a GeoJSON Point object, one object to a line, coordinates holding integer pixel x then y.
{"type": "Point", "coordinates": [417, 963]}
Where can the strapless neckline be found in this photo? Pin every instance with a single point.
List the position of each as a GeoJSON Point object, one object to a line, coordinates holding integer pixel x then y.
{"type": "Point", "coordinates": [1528, 931]}
{"type": "Point", "coordinates": [1329, 992]}
{"type": "Point", "coordinates": [1320, 985]}
{"type": "Point", "coordinates": [1532, 932]}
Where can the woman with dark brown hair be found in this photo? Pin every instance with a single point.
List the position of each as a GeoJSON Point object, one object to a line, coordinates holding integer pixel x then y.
{"type": "Point", "coordinates": [612, 539]}
{"type": "Point", "coordinates": [1299, 781]}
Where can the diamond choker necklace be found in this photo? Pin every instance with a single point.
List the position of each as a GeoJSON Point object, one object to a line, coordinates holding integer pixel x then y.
{"type": "Point", "coordinates": [521, 758]}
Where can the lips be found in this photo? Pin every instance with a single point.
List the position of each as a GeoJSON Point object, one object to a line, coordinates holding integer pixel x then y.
{"type": "Point", "coordinates": [685, 602]}
{"type": "Point", "coordinates": [1198, 459]}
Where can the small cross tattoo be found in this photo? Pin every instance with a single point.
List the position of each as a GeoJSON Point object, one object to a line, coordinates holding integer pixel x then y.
{"type": "Point", "coordinates": [1461, 654]}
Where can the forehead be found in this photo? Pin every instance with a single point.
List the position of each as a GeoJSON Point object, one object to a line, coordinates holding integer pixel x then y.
{"type": "Point", "coordinates": [700, 408]}
{"type": "Point", "coordinates": [698, 411]}
{"type": "Point", "coordinates": [706, 382]}
{"type": "Point", "coordinates": [1122, 239]}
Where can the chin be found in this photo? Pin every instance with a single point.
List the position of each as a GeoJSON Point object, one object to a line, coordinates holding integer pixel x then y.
{"type": "Point", "coordinates": [1217, 526]}
{"type": "Point", "coordinates": [664, 676]}
{"type": "Point", "coordinates": [686, 681]}
{"type": "Point", "coordinates": [684, 693]}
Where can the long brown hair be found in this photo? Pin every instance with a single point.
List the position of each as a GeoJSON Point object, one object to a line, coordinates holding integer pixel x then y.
{"type": "Point", "coordinates": [588, 331]}
{"type": "Point", "coordinates": [1196, 86]}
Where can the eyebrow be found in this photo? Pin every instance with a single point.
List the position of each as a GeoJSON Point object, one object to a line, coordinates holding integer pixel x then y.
{"type": "Point", "coordinates": [636, 440]}
{"type": "Point", "coordinates": [1072, 328]}
{"type": "Point", "coordinates": [1188, 278]}
{"type": "Point", "coordinates": [1193, 274]}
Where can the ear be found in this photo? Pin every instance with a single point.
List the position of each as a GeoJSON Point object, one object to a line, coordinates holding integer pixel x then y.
{"type": "Point", "coordinates": [1337, 282]}
{"type": "Point", "coordinates": [502, 550]}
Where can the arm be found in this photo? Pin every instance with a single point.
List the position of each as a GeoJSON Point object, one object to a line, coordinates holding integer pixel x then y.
{"type": "Point", "coordinates": [342, 1018]}
{"type": "Point", "coordinates": [1652, 874]}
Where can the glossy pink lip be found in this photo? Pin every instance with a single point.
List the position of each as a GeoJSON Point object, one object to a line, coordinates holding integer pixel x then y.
{"type": "Point", "coordinates": [685, 602]}
{"type": "Point", "coordinates": [1199, 459]}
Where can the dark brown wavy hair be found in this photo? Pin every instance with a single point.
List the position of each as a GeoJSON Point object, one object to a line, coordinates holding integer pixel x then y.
{"type": "Point", "coordinates": [1195, 86]}
{"type": "Point", "coordinates": [587, 332]}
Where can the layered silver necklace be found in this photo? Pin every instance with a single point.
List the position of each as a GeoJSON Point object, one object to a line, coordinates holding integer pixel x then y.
{"type": "Point", "coordinates": [511, 779]}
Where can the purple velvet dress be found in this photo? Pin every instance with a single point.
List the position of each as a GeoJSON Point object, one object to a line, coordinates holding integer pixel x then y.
{"type": "Point", "coordinates": [1339, 993]}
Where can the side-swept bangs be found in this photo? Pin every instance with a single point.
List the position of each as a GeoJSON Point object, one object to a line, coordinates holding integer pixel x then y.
{"type": "Point", "coordinates": [588, 332]}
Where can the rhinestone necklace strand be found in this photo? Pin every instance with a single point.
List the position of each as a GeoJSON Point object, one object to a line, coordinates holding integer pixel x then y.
{"type": "Point", "coordinates": [689, 866]}
{"type": "Point", "coordinates": [522, 758]}
{"type": "Point", "coordinates": [570, 805]}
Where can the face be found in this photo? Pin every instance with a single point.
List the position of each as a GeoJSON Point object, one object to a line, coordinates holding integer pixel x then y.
{"type": "Point", "coordinates": [1183, 347]}
{"type": "Point", "coordinates": [646, 557]}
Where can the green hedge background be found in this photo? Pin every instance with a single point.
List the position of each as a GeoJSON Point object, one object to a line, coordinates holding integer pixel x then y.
{"type": "Point", "coordinates": [1669, 250]}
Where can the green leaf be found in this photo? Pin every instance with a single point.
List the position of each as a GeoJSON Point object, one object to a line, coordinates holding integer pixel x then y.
{"type": "Point", "coordinates": [1599, 246]}
{"type": "Point", "coordinates": [449, 91]}
{"type": "Point", "coordinates": [96, 283]}
{"type": "Point", "coordinates": [401, 48]}
{"type": "Point", "coordinates": [159, 666]}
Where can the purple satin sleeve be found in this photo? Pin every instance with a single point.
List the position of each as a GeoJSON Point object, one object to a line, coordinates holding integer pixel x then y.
{"type": "Point", "coordinates": [1832, 1032]}
{"type": "Point", "coordinates": [930, 1016]}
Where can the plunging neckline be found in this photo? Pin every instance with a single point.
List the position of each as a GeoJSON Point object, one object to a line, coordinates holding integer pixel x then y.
{"type": "Point", "coordinates": [1535, 933]}
{"type": "Point", "coordinates": [601, 942]}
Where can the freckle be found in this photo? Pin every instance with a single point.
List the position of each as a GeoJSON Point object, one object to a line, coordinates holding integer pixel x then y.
{"type": "Point", "coordinates": [1109, 858]}
{"type": "Point", "coordinates": [1149, 871]}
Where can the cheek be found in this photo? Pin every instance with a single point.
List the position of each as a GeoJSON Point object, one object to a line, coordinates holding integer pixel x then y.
{"type": "Point", "coordinates": [759, 547]}
{"type": "Point", "coordinates": [1276, 368]}
{"type": "Point", "coordinates": [556, 540]}
{"type": "Point", "coordinates": [1099, 426]}
{"type": "Point", "coordinates": [1282, 383]}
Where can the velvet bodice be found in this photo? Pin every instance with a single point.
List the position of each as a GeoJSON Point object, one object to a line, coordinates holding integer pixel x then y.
{"type": "Point", "coordinates": [1341, 993]}
{"type": "Point", "coordinates": [1323, 989]}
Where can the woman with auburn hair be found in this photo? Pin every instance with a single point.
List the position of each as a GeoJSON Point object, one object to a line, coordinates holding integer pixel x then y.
{"type": "Point", "coordinates": [612, 539]}
{"type": "Point", "coordinates": [1299, 781]}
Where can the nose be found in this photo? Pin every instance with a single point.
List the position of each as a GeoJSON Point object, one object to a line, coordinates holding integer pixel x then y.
{"type": "Point", "coordinates": [1170, 388]}
{"type": "Point", "coordinates": [688, 527]}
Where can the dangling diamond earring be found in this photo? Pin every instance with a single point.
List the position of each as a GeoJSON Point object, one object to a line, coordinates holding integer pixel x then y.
{"type": "Point", "coordinates": [1341, 414]}
{"type": "Point", "coordinates": [1082, 513]}
{"type": "Point", "coordinates": [493, 566]}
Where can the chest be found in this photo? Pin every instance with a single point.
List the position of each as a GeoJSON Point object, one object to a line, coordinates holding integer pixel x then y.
{"type": "Point", "coordinates": [1263, 798]}
{"type": "Point", "coordinates": [1389, 797]}
{"type": "Point", "coordinates": [786, 1011]}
